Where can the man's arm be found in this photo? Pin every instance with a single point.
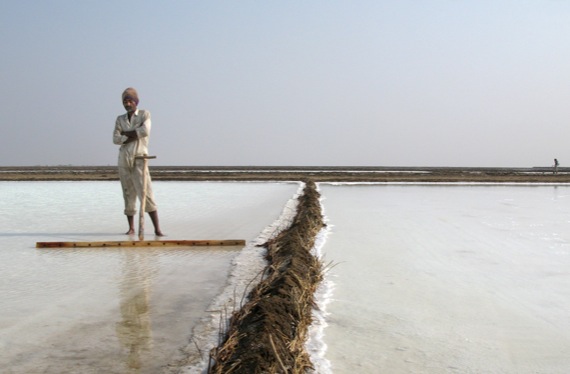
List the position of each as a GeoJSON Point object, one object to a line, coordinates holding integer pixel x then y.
{"type": "Point", "coordinates": [143, 130]}
{"type": "Point", "coordinates": [131, 136]}
{"type": "Point", "coordinates": [118, 137]}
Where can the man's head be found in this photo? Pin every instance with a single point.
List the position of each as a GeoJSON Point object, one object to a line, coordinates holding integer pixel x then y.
{"type": "Point", "coordinates": [130, 99]}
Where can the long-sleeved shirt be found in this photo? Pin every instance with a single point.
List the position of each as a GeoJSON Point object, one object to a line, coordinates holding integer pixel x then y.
{"type": "Point", "coordinates": [139, 122]}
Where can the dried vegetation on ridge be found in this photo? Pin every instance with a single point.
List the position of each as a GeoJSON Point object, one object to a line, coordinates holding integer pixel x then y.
{"type": "Point", "coordinates": [268, 334]}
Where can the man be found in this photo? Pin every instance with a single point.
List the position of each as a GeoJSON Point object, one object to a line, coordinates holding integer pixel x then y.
{"type": "Point", "coordinates": [132, 131]}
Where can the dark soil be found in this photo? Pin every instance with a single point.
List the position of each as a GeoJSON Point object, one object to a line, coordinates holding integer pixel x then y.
{"type": "Point", "coordinates": [317, 174]}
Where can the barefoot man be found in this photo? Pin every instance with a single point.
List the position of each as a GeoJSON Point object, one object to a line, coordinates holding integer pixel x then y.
{"type": "Point", "coordinates": [132, 131]}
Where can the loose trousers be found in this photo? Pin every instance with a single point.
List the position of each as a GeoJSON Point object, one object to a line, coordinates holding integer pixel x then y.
{"type": "Point", "coordinates": [132, 184]}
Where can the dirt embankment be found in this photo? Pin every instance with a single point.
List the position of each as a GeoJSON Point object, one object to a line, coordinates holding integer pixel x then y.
{"type": "Point", "coordinates": [317, 174]}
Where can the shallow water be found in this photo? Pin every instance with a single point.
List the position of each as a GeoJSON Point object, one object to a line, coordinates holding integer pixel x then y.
{"type": "Point", "coordinates": [448, 279]}
{"type": "Point", "coordinates": [115, 310]}
{"type": "Point", "coordinates": [428, 279]}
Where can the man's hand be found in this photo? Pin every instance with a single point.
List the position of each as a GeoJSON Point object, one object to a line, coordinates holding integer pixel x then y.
{"type": "Point", "coordinates": [131, 135]}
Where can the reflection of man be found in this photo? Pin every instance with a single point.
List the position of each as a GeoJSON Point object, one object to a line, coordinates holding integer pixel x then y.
{"type": "Point", "coordinates": [132, 131]}
{"type": "Point", "coordinates": [134, 330]}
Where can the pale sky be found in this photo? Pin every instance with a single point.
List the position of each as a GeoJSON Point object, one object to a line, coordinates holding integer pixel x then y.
{"type": "Point", "coordinates": [386, 83]}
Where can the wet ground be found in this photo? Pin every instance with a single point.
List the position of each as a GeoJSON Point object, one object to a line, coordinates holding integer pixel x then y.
{"type": "Point", "coordinates": [317, 174]}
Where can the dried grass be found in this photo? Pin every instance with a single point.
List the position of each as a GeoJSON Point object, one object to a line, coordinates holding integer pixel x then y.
{"type": "Point", "coordinates": [268, 334]}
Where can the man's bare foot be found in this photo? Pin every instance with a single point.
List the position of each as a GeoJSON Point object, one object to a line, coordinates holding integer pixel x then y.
{"type": "Point", "coordinates": [154, 217]}
{"type": "Point", "coordinates": [131, 224]}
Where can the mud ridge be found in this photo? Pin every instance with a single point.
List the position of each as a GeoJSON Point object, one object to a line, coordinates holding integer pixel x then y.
{"type": "Point", "coordinates": [268, 334]}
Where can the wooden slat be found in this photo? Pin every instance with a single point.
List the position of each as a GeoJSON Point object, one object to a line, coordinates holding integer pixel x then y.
{"type": "Point", "coordinates": [143, 243]}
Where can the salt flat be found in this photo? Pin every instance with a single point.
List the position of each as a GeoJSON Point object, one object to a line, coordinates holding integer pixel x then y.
{"type": "Point", "coordinates": [115, 310]}
{"type": "Point", "coordinates": [448, 279]}
{"type": "Point", "coordinates": [427, 278]}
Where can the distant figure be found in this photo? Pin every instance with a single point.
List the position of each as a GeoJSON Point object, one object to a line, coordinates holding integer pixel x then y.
{"type": "Point", "coordinates": [132, 131]}
{"type": "Point", "coordinates": [556, 166]}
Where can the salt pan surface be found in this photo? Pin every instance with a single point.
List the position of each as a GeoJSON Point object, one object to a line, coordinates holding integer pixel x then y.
{"type": "Point", "coordinates": [113, 310]}
{"type": "Point", "coordinates": [428, 279]}
{"type": "Point", "coordinates": [448, 279]}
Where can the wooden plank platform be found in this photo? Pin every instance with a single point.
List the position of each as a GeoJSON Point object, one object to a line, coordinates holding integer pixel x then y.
{"type": "Point", "coordinates": [143, 243]}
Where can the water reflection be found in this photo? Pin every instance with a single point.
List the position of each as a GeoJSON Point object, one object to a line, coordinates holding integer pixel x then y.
{"type": "Point", "coordinates": [134, 329]}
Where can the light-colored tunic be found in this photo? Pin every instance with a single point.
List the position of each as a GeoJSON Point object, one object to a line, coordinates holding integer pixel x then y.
{"type": "Point", "coordinates": [131, 170]}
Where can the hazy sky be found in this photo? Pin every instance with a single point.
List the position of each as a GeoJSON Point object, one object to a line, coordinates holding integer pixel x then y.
{"type": "Point", "coordinates": [393, 83]}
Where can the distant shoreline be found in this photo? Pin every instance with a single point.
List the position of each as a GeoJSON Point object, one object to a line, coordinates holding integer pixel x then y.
{"type": "Point", "coordinates": [295, 173]}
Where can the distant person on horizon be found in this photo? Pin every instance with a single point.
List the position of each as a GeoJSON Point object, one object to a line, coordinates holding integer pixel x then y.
{"type": "Point", "coordinates": [132, 131]}
{"type": "Point", "coordinates": [556, 166]}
